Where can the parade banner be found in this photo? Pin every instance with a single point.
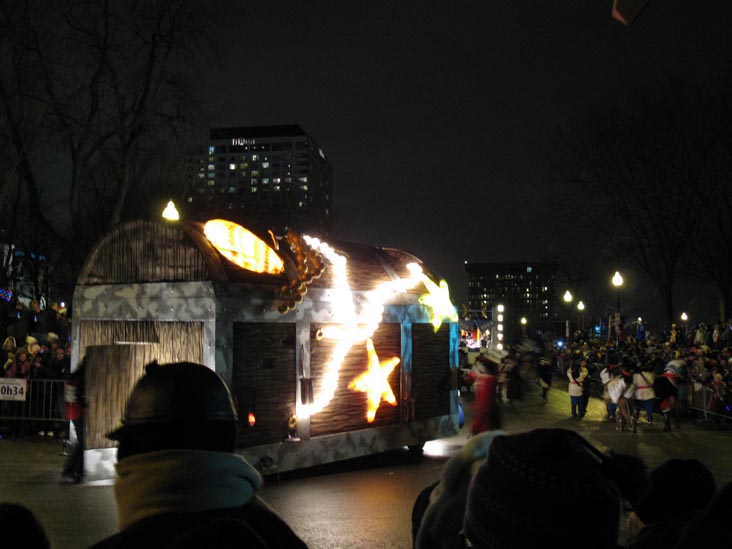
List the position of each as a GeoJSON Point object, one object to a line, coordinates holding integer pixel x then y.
{"type": "Point", "coordinates": [13, 389]}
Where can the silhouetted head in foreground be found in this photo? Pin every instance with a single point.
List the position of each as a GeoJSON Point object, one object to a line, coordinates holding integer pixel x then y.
{"type": "Point", "coordinates": [550, 488]}
{"type": "Point", "coordinates": [181, 405]}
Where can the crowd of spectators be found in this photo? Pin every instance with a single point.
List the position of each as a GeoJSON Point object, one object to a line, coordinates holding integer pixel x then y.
{"type": "Point", "coordinates": [36, 342]}
{"type": "Point", "coordinates": [702, 358]}
{"type": "Point", "coordinates": [509, 490]}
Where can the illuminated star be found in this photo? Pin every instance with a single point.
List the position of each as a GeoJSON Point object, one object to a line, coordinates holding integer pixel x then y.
{"type": "Point", "coordinates": [438, 300]}
{"type": "Point", "coordinates": [374, 382]}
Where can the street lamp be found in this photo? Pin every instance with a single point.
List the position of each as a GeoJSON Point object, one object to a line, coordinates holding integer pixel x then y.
{"type": "Point", "coordinates": [567, 299]}
{"type": "Point", "coordinates": [684, 318]}
{"type": "Point", "coordinates": [617, 281]}
{"type": "Point", "coordinates": [581, 309]}
{"type": "Point", "coordinates": [523, 327]}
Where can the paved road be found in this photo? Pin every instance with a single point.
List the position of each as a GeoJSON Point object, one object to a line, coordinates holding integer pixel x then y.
{"type": "Point", "coordinates": [363, 503]}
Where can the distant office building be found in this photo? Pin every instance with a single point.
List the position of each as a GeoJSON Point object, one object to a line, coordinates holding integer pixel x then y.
{"type": "Point", "coordinates": [526, 290]}
{"type": "Point", "coordinates": [262, 177]}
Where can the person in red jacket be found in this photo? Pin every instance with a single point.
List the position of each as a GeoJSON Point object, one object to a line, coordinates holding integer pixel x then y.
{"type": "Point", "coordinates": [486, 412]}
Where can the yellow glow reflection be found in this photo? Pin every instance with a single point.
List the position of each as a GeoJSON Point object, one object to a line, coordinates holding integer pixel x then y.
{"type": "Point", "coordinates": [375, 381]}
{"type": "Point", "coordinates": [242, 247]}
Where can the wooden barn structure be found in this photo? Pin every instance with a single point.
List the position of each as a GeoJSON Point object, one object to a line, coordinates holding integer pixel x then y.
{"type": "Point", "coordinates": [166, 291]}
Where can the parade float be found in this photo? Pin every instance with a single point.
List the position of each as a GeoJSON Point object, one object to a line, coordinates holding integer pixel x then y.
{"type": "Point", "coordinates": [332, 350]}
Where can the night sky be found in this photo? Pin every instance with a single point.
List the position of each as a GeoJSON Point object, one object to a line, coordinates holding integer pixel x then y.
{"type": "Point", "coordinates": [439, 117]}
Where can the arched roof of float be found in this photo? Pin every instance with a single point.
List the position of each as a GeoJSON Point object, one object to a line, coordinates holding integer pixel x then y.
{"type": "Point", "coordinates": [152, 251]}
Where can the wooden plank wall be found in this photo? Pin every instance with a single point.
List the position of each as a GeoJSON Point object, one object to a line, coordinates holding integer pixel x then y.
{"type": "Point", "coordinates": [430, 370]}
{"type": "Point", "coordinates": [347, 410]}
{"type": "Point", "coordinates": [111, 373]}
{"type": "Point", "coordinates": [264, 378]}
{"type": "Point", "coordinates": [177, 341]}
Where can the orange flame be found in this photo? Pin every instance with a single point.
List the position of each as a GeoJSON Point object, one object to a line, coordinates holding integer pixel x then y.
{"type": "Point", "coordinates": [251, 419]}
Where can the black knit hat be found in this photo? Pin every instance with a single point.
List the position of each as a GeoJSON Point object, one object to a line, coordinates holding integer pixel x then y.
{"type": "Point", "coordinates": [678, 487]}
{"type": "Point", "coordinates": [547, 487]}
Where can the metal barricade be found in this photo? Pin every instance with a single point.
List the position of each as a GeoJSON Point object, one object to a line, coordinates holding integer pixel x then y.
{"type": "Point", "coordinates": [709, 401]}
{"type": "Point", "coordinates": [44, 401]}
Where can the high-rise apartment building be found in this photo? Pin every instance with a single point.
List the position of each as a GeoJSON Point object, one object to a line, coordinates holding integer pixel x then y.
{"type": "Point", "coordinates": [525, 289]}
{"type": "Point", "coordinates": [262, 177]}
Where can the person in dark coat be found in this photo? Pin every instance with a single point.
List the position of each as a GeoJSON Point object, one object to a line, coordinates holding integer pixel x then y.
{"type": "Point", "coordinates": [681, 489]}
{"type": "Point", "coordinates": [18, 321]}
{"type": "Point", "coordinates": [666, 388]}
{"type": "Point", "coordinates": [544, 372]}
{"type": "Point", "coordinates": [514, 390]}
{"type": "Point", "coordinates": [179, 482]}
{"type": "Point", "coordinates": [21, 528]}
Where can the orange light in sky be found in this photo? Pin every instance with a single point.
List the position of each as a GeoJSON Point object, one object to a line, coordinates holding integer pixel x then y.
{"type": "Point", "coordinates": [242, 247]}
{"type": "Point", "coordinates": [375, 381]}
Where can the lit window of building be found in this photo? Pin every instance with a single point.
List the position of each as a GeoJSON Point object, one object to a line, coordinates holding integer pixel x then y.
{"type": "Point", "coordinates": [244, 154]}
{"type": "Point", "coordinates": [516, 285]}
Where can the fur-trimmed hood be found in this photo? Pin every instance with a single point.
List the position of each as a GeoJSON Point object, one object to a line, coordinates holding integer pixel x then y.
{"type": "Point", "coordinates": [442, 521]}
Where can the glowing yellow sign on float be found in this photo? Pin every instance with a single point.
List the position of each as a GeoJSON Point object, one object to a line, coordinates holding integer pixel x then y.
{"type": "Point", "coordinates": [375, 381]}
{"type": "Point", "coordinates": [170, 213]}
{"type": "Point", "coordinates": [242, 247]}
{"type": "Point", "coordinates": [438, 300]}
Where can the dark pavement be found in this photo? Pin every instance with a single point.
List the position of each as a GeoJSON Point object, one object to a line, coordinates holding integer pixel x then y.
{"type": "Point", "coordinates": [361, 503]}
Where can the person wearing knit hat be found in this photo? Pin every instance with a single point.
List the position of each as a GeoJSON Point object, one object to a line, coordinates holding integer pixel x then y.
{"type": "Point", "coordinates": [680, 490]}
{"type": "Point", "coordinates": [550, 488]}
